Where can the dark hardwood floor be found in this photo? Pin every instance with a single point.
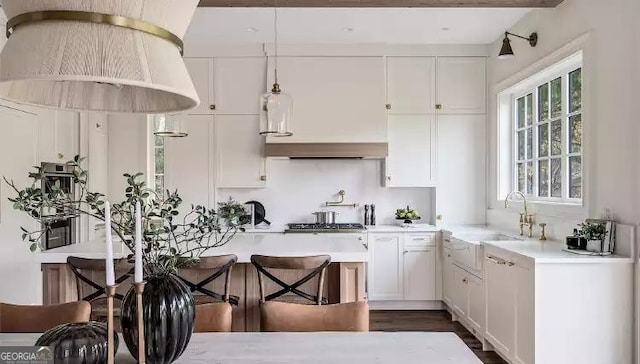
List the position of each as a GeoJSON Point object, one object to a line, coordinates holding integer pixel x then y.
{"type": "Point", "coordinates": [439, 321]}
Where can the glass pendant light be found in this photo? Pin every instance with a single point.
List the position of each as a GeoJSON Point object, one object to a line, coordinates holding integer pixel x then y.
{"type": "Point", "coordinates": [172, 126]}
{"type": "Point", "coordinates": [277, 105]}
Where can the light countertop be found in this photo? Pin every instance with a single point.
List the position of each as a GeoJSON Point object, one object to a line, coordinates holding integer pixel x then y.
{"type": "Point", "coordinates": [413, 228]}
{"type": "Point", "coordinates": [551, 252]}
{"type": "Point", "coordinates": [341, 247]}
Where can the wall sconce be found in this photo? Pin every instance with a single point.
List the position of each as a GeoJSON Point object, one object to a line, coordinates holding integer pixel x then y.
{"type": "Point", "coordinates": [506, 51]}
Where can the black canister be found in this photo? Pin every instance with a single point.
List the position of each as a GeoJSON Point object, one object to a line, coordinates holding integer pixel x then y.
{"type": "Point", "coordinates": [373, 214]}
{"type": "Point", "coordinates": [367, 216]}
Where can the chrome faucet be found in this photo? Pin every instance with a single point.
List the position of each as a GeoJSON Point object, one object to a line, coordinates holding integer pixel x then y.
{"type": "Point", "coordinates": [525, 218]}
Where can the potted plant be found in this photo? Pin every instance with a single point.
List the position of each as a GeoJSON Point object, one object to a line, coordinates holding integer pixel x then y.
{"type": "Point", "coordinates": [594, 233]}
{"type": "Point", "coordinates": [172, 237]}
{"type": "Point", "coordinates": [407, 216]}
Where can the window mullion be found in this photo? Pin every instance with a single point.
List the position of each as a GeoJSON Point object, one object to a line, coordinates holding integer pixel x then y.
{"type": "Point", "coordinates": [565, 136]}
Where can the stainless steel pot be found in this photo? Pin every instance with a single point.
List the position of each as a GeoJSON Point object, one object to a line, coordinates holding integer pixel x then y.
{"type": "Point", "coordinates": [325, 217]}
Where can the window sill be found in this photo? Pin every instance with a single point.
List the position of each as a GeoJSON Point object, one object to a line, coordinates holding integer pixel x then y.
{"type": "Point", "coordinates": [560, 210]}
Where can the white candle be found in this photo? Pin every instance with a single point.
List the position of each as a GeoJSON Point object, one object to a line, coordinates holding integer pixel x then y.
{"type": "Point", "coordinates": [138, 247]}
{"type": "Point", "coordinates": [109, 271]}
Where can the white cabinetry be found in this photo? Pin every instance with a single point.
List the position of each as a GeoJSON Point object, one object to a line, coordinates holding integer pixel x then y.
{"type": "Point", "coordinates": [335, 99]}
{"type": "Point", "coordinates": [462, 85]}
{"type": "Point", "coordinates": [461, 169]}
{"type": "Point", "coordinates": [412, 151]}
{"type": "Point", "coordinates": [201, 72]}
{"type": "Point", "coordinates": [459, 298]}
{"type": "Point", "coordinates": [238, 84]}
{"type": "Point", "coordinates": [500, 288]}
{"type": "Point", "coordinates": [531, 309]}
{"type": "Point", "coordinates": [475, 303]}
{"type": "Point", "coordinates": [402, 267]}
{"type": "Point", "coordinates": [447, 277]}
{"type": "Point", "coordinates": [411, 85]}
{"type": "Point", "coordinates": [385, 268]}
{"type": "Point", "coordinates": [419, 273]}
{"type": "Point", "coordinates": [240, 152]}
{"type": "Point", "coordinates": [188, 160]}
{"type": "Point", "coordinates": [59, 135]}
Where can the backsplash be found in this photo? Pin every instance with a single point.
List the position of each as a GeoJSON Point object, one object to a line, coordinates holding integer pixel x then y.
{"type": "Point", "coordinates": [296, 188]}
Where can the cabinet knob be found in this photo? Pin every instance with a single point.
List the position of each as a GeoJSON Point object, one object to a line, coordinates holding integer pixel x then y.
{"type": "Point", "coordinates": [60, 155]}
{"type": "Point", "coordinates": [405, 252]}
{"type": "Point", "coordinates": [448, 255]}
{"type": "Point", "coordinates": [388, 106]}
{"type": "Point", "coordinates": [263, 178]}
{"type": "Point", "coordinates": [438, 106]}
{"type": "Point", "coordinates": [510, 263]}
{"type": "Point", "coordinates": [465, 280]}
{"type": "Point", "coordinates": [388, 178]}
{"type": "Point", "coordinates": [439, 217]}
{"type": "Point", "coordinates": [212, 107]}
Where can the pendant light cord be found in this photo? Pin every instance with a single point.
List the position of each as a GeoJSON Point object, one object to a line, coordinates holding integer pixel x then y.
{"type": "Point", "coordinates": [275, 29]}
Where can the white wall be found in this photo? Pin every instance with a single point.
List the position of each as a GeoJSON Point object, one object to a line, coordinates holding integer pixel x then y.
{"type": "Point", "coordinates": [611, 125]}
{"type": "Point", "coordinates": [296, 188]}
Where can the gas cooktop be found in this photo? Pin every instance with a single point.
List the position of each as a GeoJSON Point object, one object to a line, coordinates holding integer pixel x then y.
{"type": "Point", "coordinates": [325, 228]}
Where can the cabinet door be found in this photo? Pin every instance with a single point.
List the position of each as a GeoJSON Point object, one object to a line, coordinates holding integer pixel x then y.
{"type": "Point", "coordinates": [461, 169]}
{"type": "Point", "coordinates": [411, 83]}
{"type": "Point", "coordinates": [459, 293]}
{"type": "Point", "coordinates": [201, 72]}
{"type": "Point", "coordinates": [525, 311]}
{"type": "Point", "coordinates": [419, 273]}
{"type": "Point", "coordinates": [240, 152]}
{"type": "Point", "coordinates": [385, 268]}
{"type": "Point", "coordinates": [475, 298]}
{"type": "Point", "coordinates": [239, 82]}
{"type": "Point", "coordinates": [187, 162]}
{"type": "Point", "coordinates": [67, 135]}
{"type": "Point", "coordinates": [335, 99]}
{"type": "Point", "coordinates": [412, 151]}
{"type": "Point", "coordinates": [447, 277]}
{"type": "Point", "coordinates": [500, 290]}
{"type": "Point", "coordinates": [462, 85]}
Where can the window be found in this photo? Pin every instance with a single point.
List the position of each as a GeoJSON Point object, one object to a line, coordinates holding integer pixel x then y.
{"type": "Point", "coordinates": [548, 137]}
{"type": "Point", "coordinates": [158, 164]}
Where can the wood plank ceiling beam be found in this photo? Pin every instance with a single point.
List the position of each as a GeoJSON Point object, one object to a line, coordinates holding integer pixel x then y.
{"type": "Point", "coordinates": [384, 3]}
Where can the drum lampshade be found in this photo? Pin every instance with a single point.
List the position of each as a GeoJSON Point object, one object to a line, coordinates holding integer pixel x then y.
{"type": "Point", "coordinates": [88, 65]}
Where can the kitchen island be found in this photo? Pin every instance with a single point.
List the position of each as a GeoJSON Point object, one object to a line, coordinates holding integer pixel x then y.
{"type": "Point", "coordinates": [344, 282]}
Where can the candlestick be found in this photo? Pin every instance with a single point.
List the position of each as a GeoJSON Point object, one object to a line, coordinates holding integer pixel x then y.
{"type": "Point", "coordinates": [141, 349]}
{"type": "Point", "coordinates": [138, 245]}
{"type": "Point", "coordinates": [111, 291]}
{"type": "Point", "coordinates": [109, 271]}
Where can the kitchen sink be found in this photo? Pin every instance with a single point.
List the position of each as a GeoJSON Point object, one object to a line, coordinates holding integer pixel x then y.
{"type": "Point", "coordinates": [466, 250]}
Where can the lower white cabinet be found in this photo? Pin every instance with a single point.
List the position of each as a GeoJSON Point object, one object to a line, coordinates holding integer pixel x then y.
{"type": "Point", "coordinates": [419, 273]}
{"type": "Point", "coordinates": [447, 277]}
{"type": "Point", "coordinates": [558, 311]}
{"type": "Point", "coordinates": [402, 267]}
{"type": "Point", "coordinates": [466, 297]}
{"type": "Point", "coordinates": [475, 302]}
{"type": "Point", "coordinates": [385, 267]}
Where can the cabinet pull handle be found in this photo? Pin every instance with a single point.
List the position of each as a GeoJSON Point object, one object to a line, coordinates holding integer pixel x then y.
{"type": "Point", "coordinates": [263, 178]}
{"type": "Point", "coordinates": [495, 260]}
{"type": "Point", "coordinates": [510, 263]}
{"type": "Point", "coordinates": [405, 252]}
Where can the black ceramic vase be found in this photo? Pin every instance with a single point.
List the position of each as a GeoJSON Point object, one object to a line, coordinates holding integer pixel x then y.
{"type": "Point", "coordinates": [78, 343]}
{"type": "Point", "coordinates": [168, 314]}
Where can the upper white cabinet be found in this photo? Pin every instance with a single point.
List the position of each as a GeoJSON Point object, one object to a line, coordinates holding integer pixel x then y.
{"type": "Point", "coordinates": [462, 85]}
{"type": "Point", "coordinates": [201, 72]}
{"type": "Point", "coordinates": [59, 135]}
{"type": "Point", "coordinates": [402, 267]}
{"type": "Point", "coordinates": [187, 162]}
{"type": "Point", "coordinates": [240, 152]}
{"type": "Point", "coordinates": [385, 268]}
{"type": "Point", "coordinates": [411, 84]}
{"type": "Point", "coordinates": [335, 99]}
{"type": "Point", "coordinates": [412, 151]}
{"type": "Point", "coordinates": [239, 82]}
{"type": "Point", "coordinates": [461, 169]}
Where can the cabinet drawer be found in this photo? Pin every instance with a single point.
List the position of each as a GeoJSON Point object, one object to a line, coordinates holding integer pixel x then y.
{"type": "Point", "coordinates": [420, 240]}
